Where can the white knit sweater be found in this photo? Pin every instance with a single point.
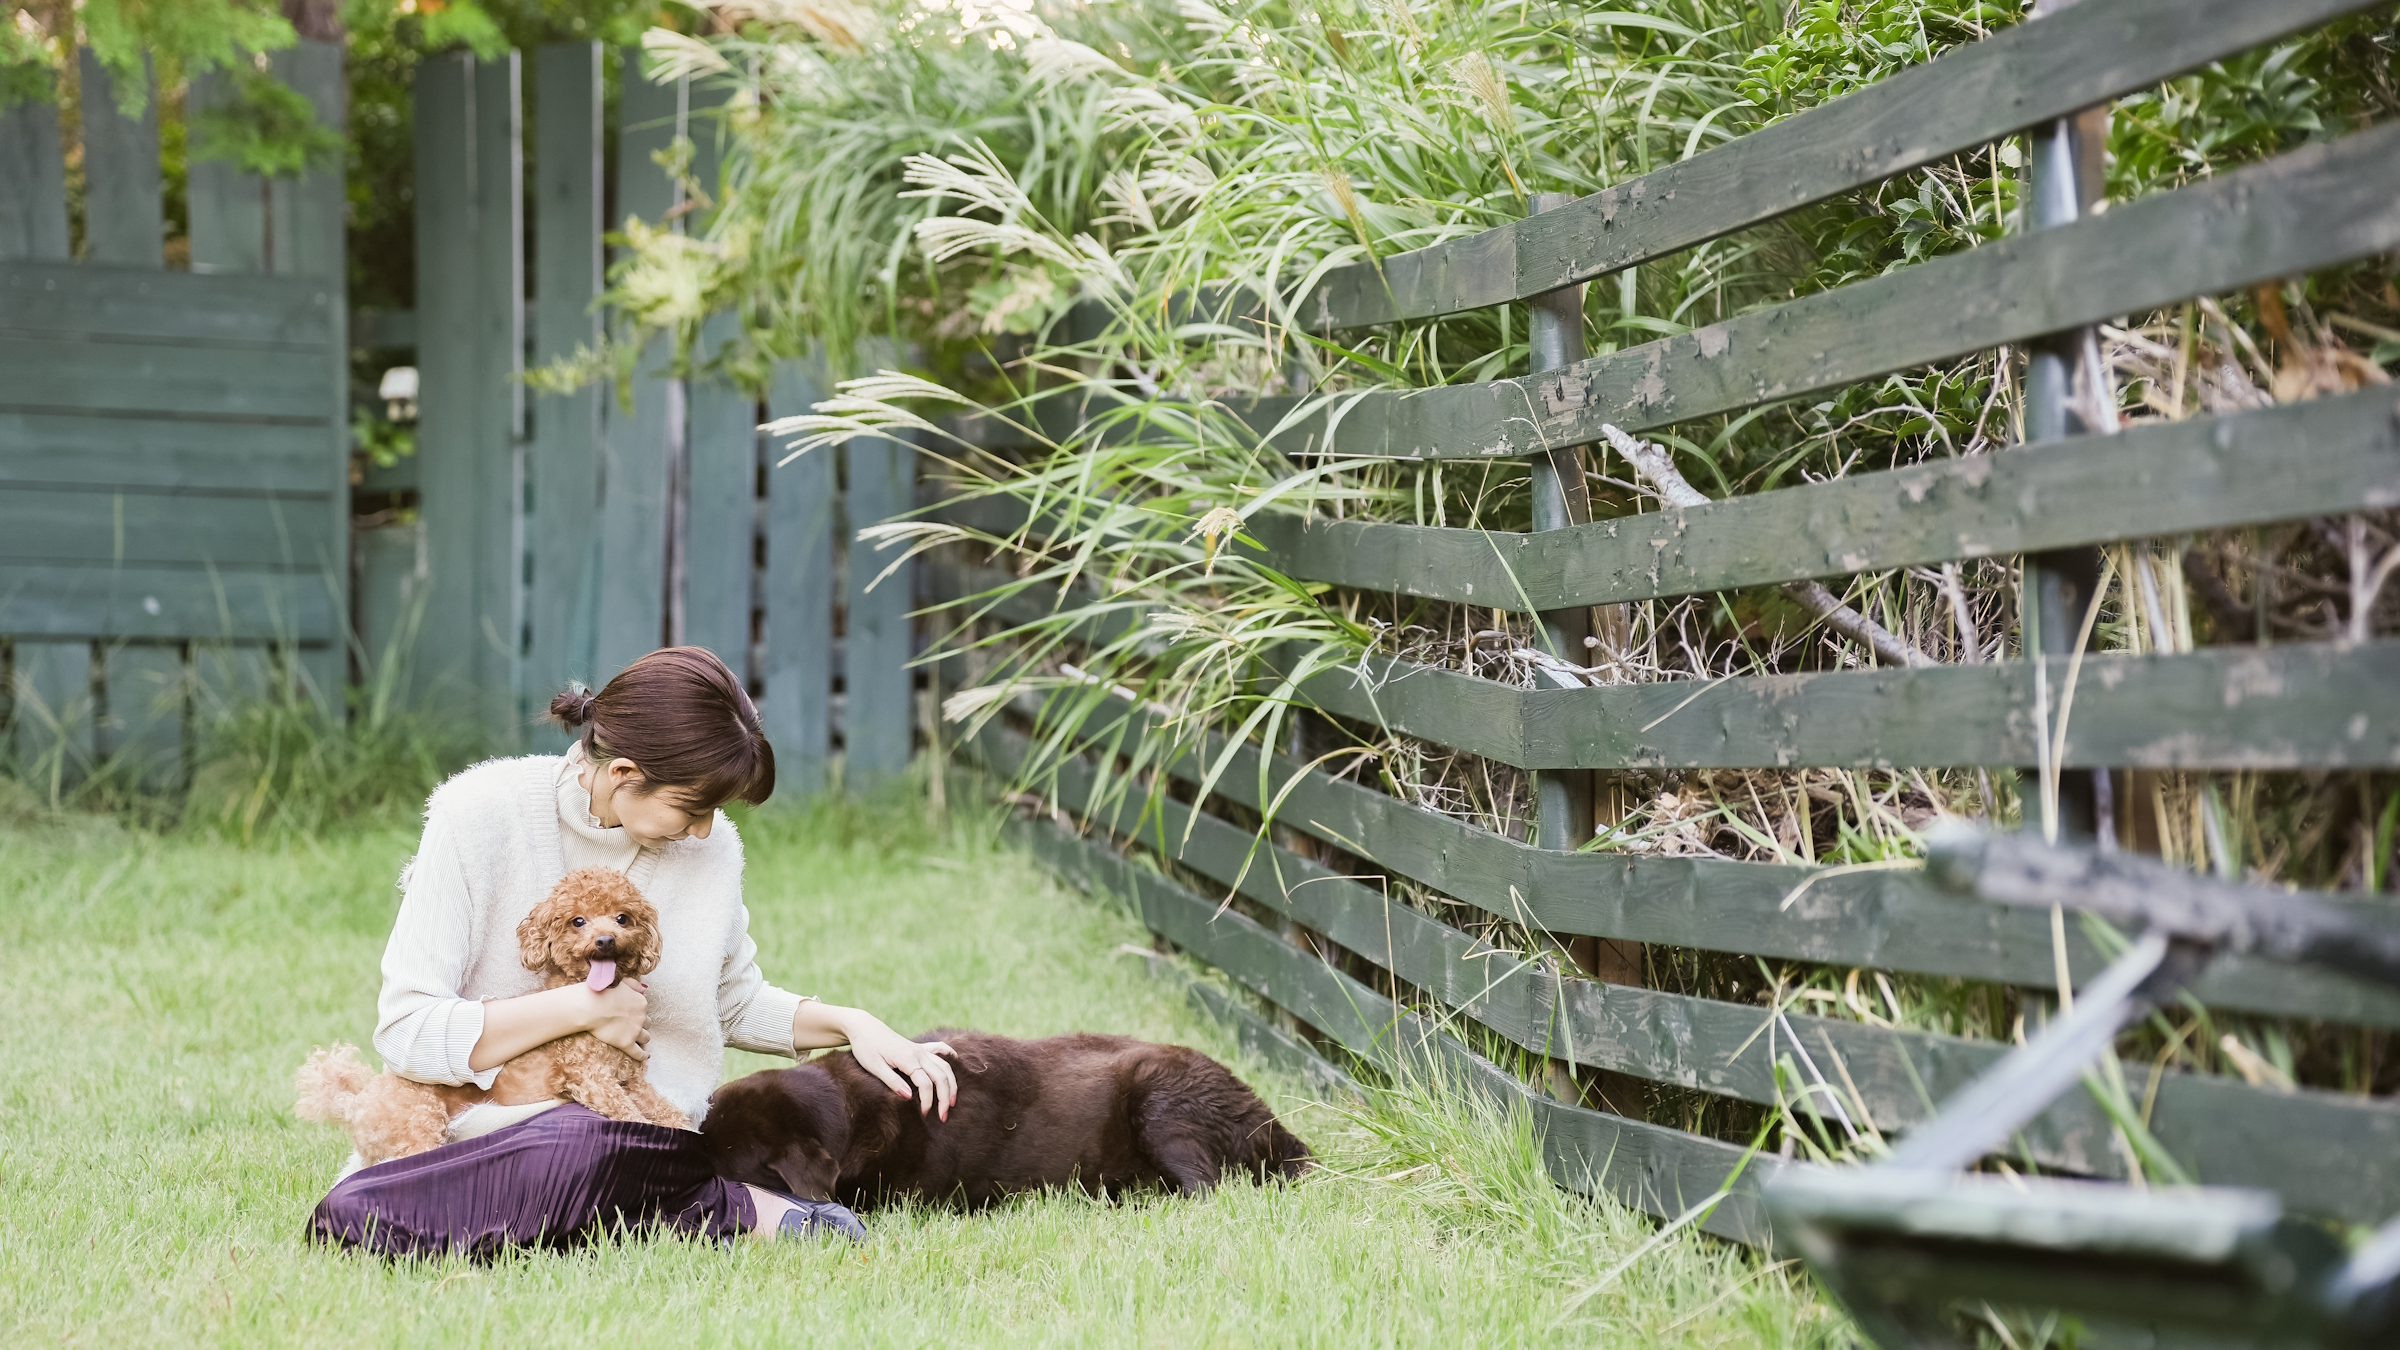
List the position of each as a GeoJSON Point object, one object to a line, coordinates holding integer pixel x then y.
{"type": "Point", "coordinates": [497, 838]}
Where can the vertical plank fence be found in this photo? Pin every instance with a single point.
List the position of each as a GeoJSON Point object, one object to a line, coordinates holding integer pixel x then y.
{"type": "Point", "coordinates": [1400, 976]}
{"type": "Point", "coordinates": [173, 445]}
{"type": "Point", "coordinates": [564, 535]}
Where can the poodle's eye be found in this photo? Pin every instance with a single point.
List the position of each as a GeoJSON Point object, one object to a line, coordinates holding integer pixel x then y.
{"type": "Point", "coordinates": [622, 920]}
{"type": "Point", "coordinates": [579, 923]}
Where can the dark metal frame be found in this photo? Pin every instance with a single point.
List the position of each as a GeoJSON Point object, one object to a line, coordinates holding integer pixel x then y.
{"type": "Point", "coordinates": [1907, 1242]}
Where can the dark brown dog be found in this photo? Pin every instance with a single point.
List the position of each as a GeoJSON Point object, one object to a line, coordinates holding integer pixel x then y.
{"type": "Point", "coordinates": [1106, 1113]}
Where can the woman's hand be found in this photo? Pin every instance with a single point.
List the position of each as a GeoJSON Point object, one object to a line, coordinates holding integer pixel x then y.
{"type": "Point", "coordinates": [621, 1016]}
{"type": "Point", "coordinates": [908, 1068]}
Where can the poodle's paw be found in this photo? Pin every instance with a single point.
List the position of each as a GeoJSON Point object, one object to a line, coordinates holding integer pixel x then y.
{"type": "Point", "coordinates": [820, 1219]}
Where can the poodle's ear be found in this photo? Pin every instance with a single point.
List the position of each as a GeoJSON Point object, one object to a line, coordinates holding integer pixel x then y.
{"type": "Point", "coordinates": [806, 1170]}
{"type": "Point", "coordinates": [644, 916]}
{"type": "Point", "coordinates": [533, 938]}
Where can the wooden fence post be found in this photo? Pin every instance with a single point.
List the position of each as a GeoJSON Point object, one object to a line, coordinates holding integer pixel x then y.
{"type": "Point", "coordinates": [563, 466]}
{"type": "Point", "coordinates": [470, 267]}
{"type": "Point", "coordinates": [721, 462]}
{"type": "Point", "coordinates": [878, 685]}
{"type": "Point", "coordinates": [33, 211]}
{"type": "Point", "coordinates": [121, 212]}
{"type": "Point", "coordinates": [798, 591]}
{"type": "Point", "coordinates": [639, 446]}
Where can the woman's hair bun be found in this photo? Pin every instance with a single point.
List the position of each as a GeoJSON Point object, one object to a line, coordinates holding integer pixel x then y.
{"type": "Point", "coordinates": [573, 706]}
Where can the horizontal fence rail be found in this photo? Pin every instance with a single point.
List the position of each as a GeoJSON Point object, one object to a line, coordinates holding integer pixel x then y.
{"type": "Point", "coordinates": [2320, 705]}
{"type": "Point", "coordinates": [2030, 73]}
{"type": "Point", "coordinates": [2221, 1128]}
{"type": "Point", "coordinates": [2288, 463]}
{"type": "Point", "coordinates": [2316, 207]}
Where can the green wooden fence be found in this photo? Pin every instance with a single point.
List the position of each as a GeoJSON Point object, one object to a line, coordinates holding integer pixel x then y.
{"type": "Point", "coordinates": [557, 537]}
{"type": "Point", "coordinates": [173, 444]}
{"type": "Point", "coordinates": [2306, 706]}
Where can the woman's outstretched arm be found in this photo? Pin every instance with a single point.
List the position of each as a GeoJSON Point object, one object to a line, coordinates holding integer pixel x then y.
{"type": "Point", "coordinates": [909, 1068]}
{"type": "Point", "coordinates": [512, 1026]}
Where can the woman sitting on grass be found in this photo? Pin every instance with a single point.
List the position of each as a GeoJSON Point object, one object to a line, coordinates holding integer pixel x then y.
{"type": "Point", "coordinates": [672, 738]}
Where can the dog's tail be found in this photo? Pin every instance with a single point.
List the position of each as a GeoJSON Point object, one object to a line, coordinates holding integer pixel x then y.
{"type": "Point", "coordinates": [330, 1082]}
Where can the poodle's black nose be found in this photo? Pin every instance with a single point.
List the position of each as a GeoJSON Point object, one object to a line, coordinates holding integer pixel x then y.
{"type": "Point", "coordinates": [606, 942]}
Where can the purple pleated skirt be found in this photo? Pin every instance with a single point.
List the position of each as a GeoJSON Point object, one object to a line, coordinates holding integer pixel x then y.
{"type": "Point", "coordinates": [561, 1179]}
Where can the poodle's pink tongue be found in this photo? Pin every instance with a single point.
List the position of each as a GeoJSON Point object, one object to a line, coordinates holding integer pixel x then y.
{"type": "Point", "coordinates": [604, 974]}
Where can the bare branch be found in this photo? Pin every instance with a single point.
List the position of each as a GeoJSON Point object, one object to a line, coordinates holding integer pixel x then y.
{"type": "Point", "coordinates": [1657, 467]}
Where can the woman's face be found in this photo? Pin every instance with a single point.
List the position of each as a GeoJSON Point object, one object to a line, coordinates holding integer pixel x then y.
{"type": "Point", "coordinates": [648, 819]}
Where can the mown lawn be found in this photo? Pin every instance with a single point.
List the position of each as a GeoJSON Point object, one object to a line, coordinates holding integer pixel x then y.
{"type": "Point", "coordinates": [159, 990]}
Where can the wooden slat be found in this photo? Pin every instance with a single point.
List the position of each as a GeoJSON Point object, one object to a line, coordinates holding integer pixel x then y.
{"type": "Point", "coordinates": [50, 600]}
{"type": "Point", "coordinates": [227, 678]}
{"type": "Point", "coordinates": [469, 251]}
{"type": "Point", "coordinates": [1650, 1167]}
{"type": "Point", "coordinates": [2215, 1126]}
{"type": "Point", "coordinates": [497, 308]}
{"type": "Point", "coordinates": [1259, 1038]}
{"type": "Point", "coordinates": [121, 199]}
{"type": "Point", "coordinates": [148, 693]}
{"type": "Point", "coordinates": [798, 593]}
{"type": "Point", "coordinates": [161, 454]}
{"type": "Point", "coordinates": [562, 463]}
{"type": "Point", "coordinates": [310, 211]}
{"type": "Point", "coordinates": [2314, 706]}
{"type": "Point", "coordinates": [2318, 458]}
{"type": "Point", "coordinates": [881, 709]}
{"type": "Point", "coordinates": [151, 528]}
{"type": "Point", "coordinates": [33, 183]}
{"type": "Point", "coordinates": [2030, 73]}
{"type": "Point", "coordinates": [722, 480]}
{"type": "Point", "coordinates": [51, 708]}
{"type": "Point", "coordinates": [266, 316]}
{"type": "Point", "coordinates": [633, 511]}
{"type": "Point", "coordinates": [227, 207]}
{"type": "Point", "coordinates": [161, 379]}
{"type": "Point", "coordinates": [2324, 204]}
{"type": "Point", "coordinates": [385, 603]}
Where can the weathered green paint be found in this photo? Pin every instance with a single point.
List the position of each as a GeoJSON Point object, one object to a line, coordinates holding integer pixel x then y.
{"type": "Point", "coordinates": [121, 195]}
{"type": "Point", "coordinates": [2317, 458]}
{"type": "Point", "coordinates": [153, 528]}
{"type": "Point", "coordinates": [33, 210]}
{"type": "Point", "coordinates": [161, 455]}
{"type": "Point", "coordinates": [51, 708]}
{"type": "Point", "coordinates": [2319, 705]}
{"type": "Point", "coordinates": [2021, 75]}
{"type": "Point", "coordinates": [1656, 1169]}
{"type": "Point", "coordinates": [161, 379]}
{"type": "Point", "coordinates": [2324, 204]}
{"type": "Point", "coordinates": [469, 243]}
{"type": "Point", "coordinates": [149, 697]}
{"type": "Point", "coordinates": [311, 212]}
{"type": "Point", "coordinates": [878, 685]}
{"type": "Point", "coordinates": [2222, 1129]}
{"type": "Point", "coordinates": [562, 461]}
{"type": "Point", "coordinates": [111, 602]}
{"type": "Point", "coordinates": [267, 316]}
{"type": "Point", "coordinates": [635, 496]}
{"type": "Point", "coordinates": [797, 591]}
{"type": "Point", "coordinates": [227, 208]}
{"type": "Point", "coordinates": [721, 539]}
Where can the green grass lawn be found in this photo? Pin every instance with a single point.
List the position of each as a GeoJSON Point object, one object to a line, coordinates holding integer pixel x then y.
{"type": "Point", "coordinates": [159, 990]}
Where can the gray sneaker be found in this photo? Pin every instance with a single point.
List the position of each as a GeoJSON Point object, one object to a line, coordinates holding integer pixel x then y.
{"type": "Point", "coordinates": [819, 1218]}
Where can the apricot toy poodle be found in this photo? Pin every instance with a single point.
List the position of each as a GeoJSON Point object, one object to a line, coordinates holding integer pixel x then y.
{"type": "Point", "coordinates": [592, 929]}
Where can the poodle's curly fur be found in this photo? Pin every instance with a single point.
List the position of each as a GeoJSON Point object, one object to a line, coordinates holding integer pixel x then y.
{"type": "Point", "coordinates": [593, 914]}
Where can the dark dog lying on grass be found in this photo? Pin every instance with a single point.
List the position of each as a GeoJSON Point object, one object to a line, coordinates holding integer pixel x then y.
{"type": "Point", "coordinates": [1106, 1113]}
